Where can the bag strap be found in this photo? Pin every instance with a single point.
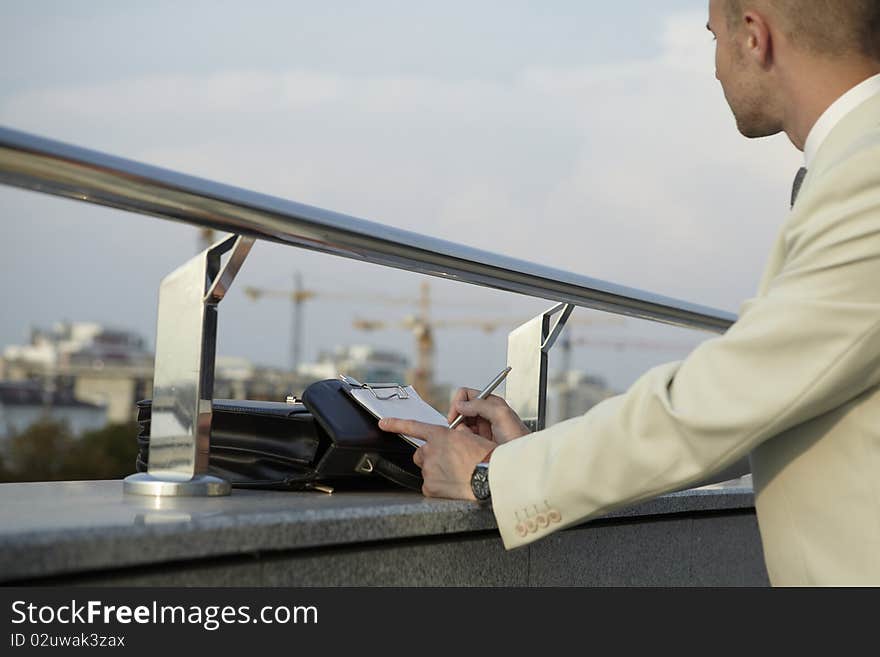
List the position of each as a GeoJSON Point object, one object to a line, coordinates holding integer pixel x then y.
{"type": "Point", "coordinates": [372, 462]}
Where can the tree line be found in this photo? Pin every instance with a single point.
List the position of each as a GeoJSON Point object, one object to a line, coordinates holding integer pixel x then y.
{"type": "Point", "coordinates": [48, 451]}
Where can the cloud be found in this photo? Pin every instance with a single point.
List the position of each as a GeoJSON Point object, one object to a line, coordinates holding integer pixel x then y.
{"type": "Point", "coordinates": [234, 92]}
{"type": "Point", "coordinates": [631, 172]}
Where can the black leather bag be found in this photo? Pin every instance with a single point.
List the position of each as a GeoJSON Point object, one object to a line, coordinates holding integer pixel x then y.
{"type": "Point", "coordinates": [356, 441]}
{"type": "Point", "coordinates": [327, 441]}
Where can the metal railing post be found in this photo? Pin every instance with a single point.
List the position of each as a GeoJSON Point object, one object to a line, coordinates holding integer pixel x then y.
{"type": "Point", "coordinates": [183, 378]}
{"type": "Point", "coordinates": [528, 348]}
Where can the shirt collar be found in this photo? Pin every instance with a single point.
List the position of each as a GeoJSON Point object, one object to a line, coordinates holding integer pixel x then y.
{"type": "Point", "coordinates": [834, 114]}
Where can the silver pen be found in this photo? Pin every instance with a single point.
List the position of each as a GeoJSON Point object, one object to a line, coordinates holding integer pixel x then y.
{"type": "Point", "coordinates": [494, 383]}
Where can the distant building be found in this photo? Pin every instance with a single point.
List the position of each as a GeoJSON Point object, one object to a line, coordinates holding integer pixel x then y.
{"type": "Point", "coordinates": [88, 362]}
{"type": "Point", "coordinates": [573, 393]}
{"type": "Point", "coordinates": [81, 344]}
{"type": "Point", "coordinates": [239, 378]}
{"type": "Point", "coordinates": [363, 362]}
{"type": "Point", "coordinates": [22, 403]}
{"type": "Point", "coordinates": [112, 369]}
{"type": "Point", "coordinates": [231, 377]}
{"type": "Point", "coordinates": [371, 365]}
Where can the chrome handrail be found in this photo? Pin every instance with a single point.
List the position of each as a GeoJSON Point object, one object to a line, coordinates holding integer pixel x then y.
{"type": "Point", "coordinates": [186, 333]}
{"type": "Point", "coordinates": [53, 167]}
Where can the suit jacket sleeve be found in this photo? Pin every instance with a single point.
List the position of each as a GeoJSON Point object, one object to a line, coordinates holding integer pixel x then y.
{"type": "Point", "coordinates": [809, 344]}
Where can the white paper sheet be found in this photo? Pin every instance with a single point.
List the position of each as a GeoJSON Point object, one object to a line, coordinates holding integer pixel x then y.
{"type": "Point", "coordinates": [386, 403]}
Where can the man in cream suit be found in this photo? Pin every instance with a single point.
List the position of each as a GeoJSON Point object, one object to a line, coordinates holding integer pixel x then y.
{"type": "Point", "coordinates": [794, 384]}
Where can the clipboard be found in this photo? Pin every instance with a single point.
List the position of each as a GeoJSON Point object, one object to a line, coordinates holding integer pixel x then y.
{"type": "Point", "coordinates": [383, 400]}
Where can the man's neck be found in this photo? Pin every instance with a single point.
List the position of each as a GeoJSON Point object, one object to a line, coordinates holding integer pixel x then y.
{"type": "Point", "coordinates": [826, 81]}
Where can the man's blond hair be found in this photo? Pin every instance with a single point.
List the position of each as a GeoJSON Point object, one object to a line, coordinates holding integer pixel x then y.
{"type": "Point", "coordinates": [828, 27]}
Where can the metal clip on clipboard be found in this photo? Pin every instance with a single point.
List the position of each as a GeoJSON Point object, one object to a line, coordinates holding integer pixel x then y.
{"type": "Point", "coordinates": [394, 400]}
{"type": "Point", "coordinates": [399, 391]}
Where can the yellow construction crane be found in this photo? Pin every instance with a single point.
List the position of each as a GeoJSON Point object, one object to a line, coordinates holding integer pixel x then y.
{"type": "Point", "coordinates": [420, 324]}
{"type": "Point", "coordinates": [628, 343]}
{"type": "Point", "coordinates": [566, 342]}
{"type": "Point", "coordinates": [423, 373]}
{"type": "Point", "coordinates": [423, 328]}
{"type": "Point", "coordinates": [206, 238]}
{"type": "Point", "coordinates": [299, 295]}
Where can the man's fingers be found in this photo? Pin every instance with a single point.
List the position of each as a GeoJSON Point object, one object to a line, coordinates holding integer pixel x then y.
{"type": "Point", "coordinates": [487, 408]}
{"type": "Point", "coordinates": [462, 394]}
{"type": "Point", "coordinates": [465, 394]}
{"type": "Point", "coordinates": [410, 428]}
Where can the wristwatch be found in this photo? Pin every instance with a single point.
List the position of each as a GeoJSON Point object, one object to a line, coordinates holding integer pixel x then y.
{"type": "Point", "coordinates": [480, 482]}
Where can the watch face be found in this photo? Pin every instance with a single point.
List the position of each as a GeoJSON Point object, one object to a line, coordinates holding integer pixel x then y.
{"type": "Point", "coordinates": [480, 483]}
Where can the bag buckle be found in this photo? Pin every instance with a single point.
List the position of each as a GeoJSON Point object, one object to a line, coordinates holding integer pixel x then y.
{"type": "Point", "coordinates": [365, 465]}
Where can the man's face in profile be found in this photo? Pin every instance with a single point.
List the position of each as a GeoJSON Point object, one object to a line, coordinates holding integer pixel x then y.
{"type": "Point", "coordinates": [744, 84]}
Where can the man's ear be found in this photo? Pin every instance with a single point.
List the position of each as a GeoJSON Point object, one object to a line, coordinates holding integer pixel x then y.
{"type": "Point", "coordinates": [758, 40]}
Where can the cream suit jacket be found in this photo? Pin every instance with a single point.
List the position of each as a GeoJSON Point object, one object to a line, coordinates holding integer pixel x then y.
{"type": "Point", "coordinates": [794, 383]}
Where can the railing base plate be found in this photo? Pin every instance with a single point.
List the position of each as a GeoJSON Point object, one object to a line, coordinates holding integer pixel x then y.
{"type": "Point", "coordinates": [143, 483]}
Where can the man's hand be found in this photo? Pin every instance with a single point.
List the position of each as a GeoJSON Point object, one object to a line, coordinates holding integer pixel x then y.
{"type": "Point", "coordinates": [490, 418]}
{"type": "Point", "coordinates": [448, 457]}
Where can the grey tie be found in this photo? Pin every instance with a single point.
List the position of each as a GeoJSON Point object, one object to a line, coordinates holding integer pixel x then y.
{"type": "Point", "coordinates": [798, 181]}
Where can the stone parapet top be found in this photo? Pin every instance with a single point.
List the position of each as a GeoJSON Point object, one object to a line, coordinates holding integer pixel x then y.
{"type": "Point", "coordinates": [55, 528]}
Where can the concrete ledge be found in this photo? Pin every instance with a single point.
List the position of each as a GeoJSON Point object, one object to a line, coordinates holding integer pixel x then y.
{"type": "Point", "coordinates": [83, 529]}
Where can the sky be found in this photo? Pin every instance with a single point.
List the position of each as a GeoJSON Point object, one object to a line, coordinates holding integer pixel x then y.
{"type": "Point", "coordinates": [589, 136]}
